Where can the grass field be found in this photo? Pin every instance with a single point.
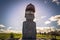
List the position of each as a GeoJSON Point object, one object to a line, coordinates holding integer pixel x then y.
{"type": "Point", "coordinates": [47, 36]}
{"type": "Point", "coordinates": [7, 35]}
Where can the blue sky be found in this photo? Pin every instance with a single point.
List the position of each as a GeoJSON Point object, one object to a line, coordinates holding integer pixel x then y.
{"type": "Point", "coordinates": [12, 13]}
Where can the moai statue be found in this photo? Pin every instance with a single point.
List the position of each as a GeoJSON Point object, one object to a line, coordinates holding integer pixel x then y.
{"type": "Point", "coordinates": [29, 26]}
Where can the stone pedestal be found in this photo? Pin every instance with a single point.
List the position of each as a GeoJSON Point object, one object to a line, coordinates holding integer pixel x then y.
{"type": "Point", "coordinates": [29, 30]}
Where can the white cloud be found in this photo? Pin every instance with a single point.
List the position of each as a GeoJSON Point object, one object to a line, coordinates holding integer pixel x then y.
{"type": "Point", "coordinates": [1, 25]}
{"type": "Point", "coordinates": [13, 31]}
{"type": "Point", "coordinates": [55, 18]}
{"type": "Point", "coordinates": [7, 30]}
{"type": "Point", "coordinates": [47, 22]}
{"type": "Point", "coordinates": [43, 17]}
{"type": "Point", "coordinates": [58, 22]}
{"type": "Point", "coordinates": [56, 1]}
{"type": "Point", "coordinates": [45, 29]}
{"type": "Point", "coordinates": [38, 19]}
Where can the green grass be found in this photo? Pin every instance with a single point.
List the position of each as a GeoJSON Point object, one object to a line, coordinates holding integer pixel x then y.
{"type": "Point", "coordinates": [46, 36]}
{"type": "Point", "coordinates": [7, 35]}
{"type": "Point", "coordinates": [4, 35]}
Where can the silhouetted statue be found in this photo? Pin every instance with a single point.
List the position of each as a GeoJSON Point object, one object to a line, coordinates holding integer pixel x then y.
{"type": "Point", "coordinates": [11, 37]}
{"type": "Point", "coordinates": [29, 26]}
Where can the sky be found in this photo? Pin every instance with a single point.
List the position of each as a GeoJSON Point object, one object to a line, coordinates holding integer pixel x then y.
{"type": "Point", "coordinates": [12, 13]}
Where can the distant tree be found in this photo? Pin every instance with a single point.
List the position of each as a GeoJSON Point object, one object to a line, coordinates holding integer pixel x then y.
{"type": "Point", "coordinates": [44, 33]}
